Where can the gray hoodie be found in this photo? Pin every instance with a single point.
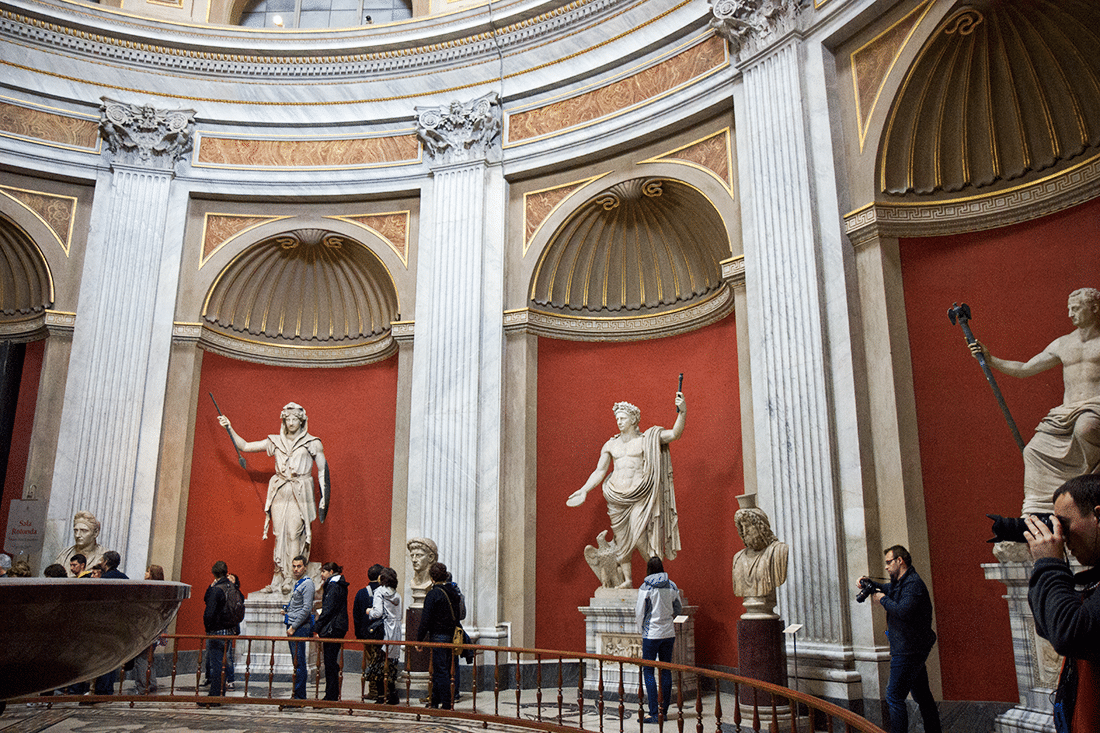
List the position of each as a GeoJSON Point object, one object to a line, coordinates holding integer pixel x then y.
{"type": "Point", "coordinates": [658, 603]}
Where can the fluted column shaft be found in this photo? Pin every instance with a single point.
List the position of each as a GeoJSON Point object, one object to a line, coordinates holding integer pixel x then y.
{"type": "Point", "coordinates": [791, 403]}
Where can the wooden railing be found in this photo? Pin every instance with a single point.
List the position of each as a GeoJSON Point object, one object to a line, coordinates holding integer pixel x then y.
{"type": "Point", "coordinates": [534, 688]}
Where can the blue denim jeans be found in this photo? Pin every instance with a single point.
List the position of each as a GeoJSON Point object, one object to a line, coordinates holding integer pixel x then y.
{"type": "Point", "coordinates": [299, 651]}
{"type": "Point", "coordinates": [441, 673]}
{"type": "Point", "coordinates": [216, 649]}
{"type": "Point", "coordinates": [661, 650]}
{"type": "Point", "coordinates": [909, 675]}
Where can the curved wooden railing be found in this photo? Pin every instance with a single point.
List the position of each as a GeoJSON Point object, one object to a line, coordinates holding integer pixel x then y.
{"type": "Point", "coordinates": [498, 686]}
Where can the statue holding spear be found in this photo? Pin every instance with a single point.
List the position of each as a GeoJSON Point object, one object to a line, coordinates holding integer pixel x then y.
{"type": "Point", "coordinates": [1067, 440]}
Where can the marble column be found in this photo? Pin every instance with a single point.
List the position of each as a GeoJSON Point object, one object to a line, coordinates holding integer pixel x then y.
{"type": "Point", "coordinates": [112, 416]}
{"type": "Point", "coordinates": [454, 431]}
{"type": "Point", "coordinates": [796, 459]}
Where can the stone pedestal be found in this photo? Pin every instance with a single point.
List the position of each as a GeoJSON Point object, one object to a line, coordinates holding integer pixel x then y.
{"type": "Point", "coordinates": [416, 663]}
{"type": "Point", "coordinates": [611, 628]}
{"type": "Point", "coordinates": [761, 655]}
{"type": "Point", "coordinates": [1037, 664]}
{"type": "Point", "coordinates": [263, 616]}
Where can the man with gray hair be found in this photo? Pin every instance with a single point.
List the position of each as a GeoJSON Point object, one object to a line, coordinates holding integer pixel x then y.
{"type": "Point", "coordinates": [1067, 440]}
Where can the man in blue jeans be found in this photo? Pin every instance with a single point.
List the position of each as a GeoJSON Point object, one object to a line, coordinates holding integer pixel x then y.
{"type": "Point", "coordinates": [299, 623]}
{"type": "Point", "coordinates": [909, 628]}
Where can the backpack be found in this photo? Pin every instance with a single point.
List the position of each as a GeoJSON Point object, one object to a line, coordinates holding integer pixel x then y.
{"type": "Point", "coordinates": [234, 605]}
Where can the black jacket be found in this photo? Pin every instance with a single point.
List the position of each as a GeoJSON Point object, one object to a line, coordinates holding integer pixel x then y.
{"type": "Point", "coordinates": [908, 615]}
{"type": "Point", "coordinates": [360, 610]}
{"type": "Point", "coordinates": [333, 621]}
{"type": "Point", "coordinates": [213, 617]}
{"type": "Point", "coordinates": [437, 617]}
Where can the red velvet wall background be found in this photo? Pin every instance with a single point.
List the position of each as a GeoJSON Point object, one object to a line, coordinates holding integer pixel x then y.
{"type": "Point", "coordinates": [21, 433]}
{"type": "Point", "coordinates": [351, 410]}
{"type": "Point", "coordinates": [1015, 280]}
{"type": "Point", "coordinates": [578, 384]}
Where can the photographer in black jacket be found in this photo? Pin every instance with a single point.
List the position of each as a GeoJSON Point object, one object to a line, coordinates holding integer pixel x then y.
{"type": "Point", "coordinates": [909, 628]}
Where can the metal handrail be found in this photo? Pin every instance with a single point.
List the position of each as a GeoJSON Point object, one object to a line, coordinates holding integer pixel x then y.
{"type": "Point", "coordinates": [772, 711]}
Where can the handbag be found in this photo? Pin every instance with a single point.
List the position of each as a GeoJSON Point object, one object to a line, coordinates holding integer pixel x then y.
{"type": "Point", "coordinates": [460, 637]}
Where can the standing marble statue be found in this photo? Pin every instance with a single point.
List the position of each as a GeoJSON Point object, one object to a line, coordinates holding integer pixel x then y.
{"type": "Point", "coordinates": [761, 567]}
{"type": "Point", "coordinates": [641, 501]}
{"type": "Point", "coordinates": [85, 542]}
{"type": "Point", "coordinates": [290, 507]}
{"type": "Point", "coordinates": [1067, 440]}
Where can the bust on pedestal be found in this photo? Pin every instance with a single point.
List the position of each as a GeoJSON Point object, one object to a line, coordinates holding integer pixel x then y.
{"type": "Point", "coordinates": [757, 571]}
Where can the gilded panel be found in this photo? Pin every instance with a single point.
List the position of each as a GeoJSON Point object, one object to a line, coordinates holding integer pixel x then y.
{"type": "Point", "coordinates": [607, 100]}
{"type": "Point", "coordinates": [274, 153]}
{"type": "Point", "coordinates": [42, 125]}
{"type": "Point", "coordinates": [873, 61]}
{"type": "Point", "coordinates": [220, 228]}
{"type": "Point", "coordinates": [538, 205]}
{"type": "Point", "coordinates": [392, 227]}
{"type": "Point", "coordinates": [711, 154]}
{"type": "Point", "coordinates": [58, 213]}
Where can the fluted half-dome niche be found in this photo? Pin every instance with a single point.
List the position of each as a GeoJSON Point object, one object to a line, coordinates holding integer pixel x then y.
{"type": "Point", "coordinates": [1003, 88]}
{"type": "Point", "coordinates": [641, 247]}
{"type": "Point", "coordinates": [305, 287]}
{"type": "Point", "coordinates": [26, 286]}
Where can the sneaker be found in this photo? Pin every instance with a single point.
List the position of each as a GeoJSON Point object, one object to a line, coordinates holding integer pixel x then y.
{"type": "Point", "coordinates": [230, 686]}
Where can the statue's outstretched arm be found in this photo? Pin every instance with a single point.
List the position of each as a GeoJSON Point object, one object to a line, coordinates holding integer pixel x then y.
{"type": "Point", "coordinates": [326, 484]}
{"type": "Point", "coordinates": [246, 446]}
{"type": "Point", "coordinates": [577, 497]}
{"type": "Point", "coordinates": [667, 436]}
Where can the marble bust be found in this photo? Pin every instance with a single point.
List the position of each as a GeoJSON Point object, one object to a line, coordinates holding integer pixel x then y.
{"type": "Point", "coordinates": [422, 553]}
{"type": "Point", "coordinates": [762, 566]}
{"type": "Point", "coordinates": [85, 541]}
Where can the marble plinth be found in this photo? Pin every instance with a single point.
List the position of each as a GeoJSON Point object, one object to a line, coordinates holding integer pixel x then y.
{"type": "Point", "coordinates": [611, 628]}
{"type": "Point", "coordinates": [1037, 664]}
{"type": "Point", "coordinates": [263, 616]}
{"type": "Point", "coordinates": [761, 655]}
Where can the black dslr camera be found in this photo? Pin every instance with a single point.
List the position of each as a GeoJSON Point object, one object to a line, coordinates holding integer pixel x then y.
{"type": "Point", "coordinates": [866, 588]}
{"type": "Point", "coordinates": [1011, 529]}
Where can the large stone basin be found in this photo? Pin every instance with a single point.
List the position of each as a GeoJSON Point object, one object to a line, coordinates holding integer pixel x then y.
{"type": "Point", "coordinates": [57, 631]}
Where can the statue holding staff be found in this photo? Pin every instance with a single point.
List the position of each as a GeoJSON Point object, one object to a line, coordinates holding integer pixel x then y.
{"type": "Point", "coordinates": [290, 506]}
{"type": "Point", "coordinates": [641, 501]}
{"type": "Point", "coordinates": [1067, 440]}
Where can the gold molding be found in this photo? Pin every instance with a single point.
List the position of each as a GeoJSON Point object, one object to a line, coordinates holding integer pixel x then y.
{"type": "Point", "coordinates": [64, 242]}
{"type": "Point", "coordinates": [670, 157]}
{"type": "Point", "coordinates": [529, 234]}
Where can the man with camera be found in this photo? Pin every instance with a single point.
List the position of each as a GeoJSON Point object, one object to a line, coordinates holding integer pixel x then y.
{"type": "Point", "coordinates": [1066, 606]}
{"type": "Point", "coordinates": [909, 628]}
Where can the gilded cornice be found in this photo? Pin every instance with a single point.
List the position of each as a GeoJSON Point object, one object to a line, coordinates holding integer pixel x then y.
{"type": "Point", "coordinates": [627, 328]}
{"type": "Point", "coordinates": [974, 213]}
{"type": "Point", "coordinates": [264, 352]}
{"type": "Point", "coordinates": [90, 35]}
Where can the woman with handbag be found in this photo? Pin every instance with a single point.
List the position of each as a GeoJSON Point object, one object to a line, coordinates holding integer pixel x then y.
{"type": "Point", "coordinates": [438, 623]}
{"type": "Point", "coordinates": [386, 608]}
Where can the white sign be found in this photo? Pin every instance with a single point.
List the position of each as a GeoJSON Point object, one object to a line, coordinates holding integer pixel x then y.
{"type": "Point", "coordinates": [26, 524]}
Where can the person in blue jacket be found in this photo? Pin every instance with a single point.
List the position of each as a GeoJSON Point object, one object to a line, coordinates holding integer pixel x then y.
{"type": "Point", "coordinates": [658, 604]}
{"type": "Point", "coordinates": [909, 628]}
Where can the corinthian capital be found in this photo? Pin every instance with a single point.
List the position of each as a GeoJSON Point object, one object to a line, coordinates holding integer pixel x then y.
{"type": "Point", "coordinates": [459, 132]}
{"type": "Point", "coordinates": [144, 135]}
{"type": "Point", "coordinates": [749, 25]}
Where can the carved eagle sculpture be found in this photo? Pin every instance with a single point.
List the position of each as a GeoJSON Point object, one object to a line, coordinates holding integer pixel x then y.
{"type": "Point", "coordinates": [604, 561]}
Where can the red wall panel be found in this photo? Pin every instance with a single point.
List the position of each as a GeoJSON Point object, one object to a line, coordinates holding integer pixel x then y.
{"type": "Point", "coordinates": [351, 410]}
{"type": "Point", "coordinates": [1015, 280]}
{"type": "Point", "coordinates": [578, 384]}
{"type": "Point", "coordinates": [21, 432]}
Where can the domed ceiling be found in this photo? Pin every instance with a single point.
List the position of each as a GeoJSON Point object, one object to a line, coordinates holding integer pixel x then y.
{"type": "Point", "coordinates": [643, 246]}
{"type": "Point", "coordinates": [1004, 88]}
{"type": "Point", "coordinates": [307, 287]}
{"type": "Point", "coordinates": [26, 287]}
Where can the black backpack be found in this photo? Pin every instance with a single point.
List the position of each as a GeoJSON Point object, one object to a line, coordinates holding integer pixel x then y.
{"type": "Point", "coordinates": [234, 605]}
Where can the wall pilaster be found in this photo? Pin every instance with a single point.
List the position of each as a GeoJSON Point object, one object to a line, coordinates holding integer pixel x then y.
{"type": "Point", "coordinates": [112, 416]}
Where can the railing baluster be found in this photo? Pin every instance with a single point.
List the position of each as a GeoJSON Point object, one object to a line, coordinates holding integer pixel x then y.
{"type": "Point", "coordinates": [538, 686]}
{"type": "Point", "coordinates": [247, 664]}
{"type": "Point", "coordinates": [519, 684]}
{"type": "Point", "coordinates": [699, 704]}
{"type": "Point", "coordinates": [363, 674]}
{"type": "Point", "coordinates": [680, 701]}
{"type": "Point", "coordinates": [756, 708]}
{"type": "Point", "coordinates": [600, 697]}
{"type": "Point", "coordinates": [775, 715]}
{"type": "Point", "coordinates": [175, 665]}
{"type": "Point", "coordinates": [271, 671]}
{"type": "Point", "coordinates": [622, 699]}
{"type": "Point", "coordinates": [580, 693]}
{"type": "Point", "coordinates": [737, 706]}
{"type": "Point", "coordinates": [718, 707]}
{"type": "Point", "coordinates": [641, 695]}
{"type": "Point", "coordinates": [561, 690]}
{"type": "Point", "coordinates": [496, 683]}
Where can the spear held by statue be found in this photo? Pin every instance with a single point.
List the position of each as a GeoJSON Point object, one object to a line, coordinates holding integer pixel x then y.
{"type": "Point", "coordinates": [960, 314]}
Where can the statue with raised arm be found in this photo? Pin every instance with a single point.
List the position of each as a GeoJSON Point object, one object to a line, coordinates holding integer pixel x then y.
{"type": "Point", "coordinates": [290, 506]}
{"type": "Point", "coordinates": [1067, 440]}
{"type": "Point", "coordinates": [85, 542]}
{"type": "Point", "coordinates": [761, 567]}
{"type": "Point", "coordinates": [641, 501]}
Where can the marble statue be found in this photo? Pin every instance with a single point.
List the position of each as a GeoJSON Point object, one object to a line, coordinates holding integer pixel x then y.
{"type": "Point", "coordinates": [603, 558]}
{"type": "Point", "coordinates": [761, 567]}
{"type": "Point", "coordinates": [290, 506]}
{"type": "Point", "coordinates": [422, 553]}
{"type": "Point", "coordinates": [1067, 440]}
{"type": "Point", "coordinates": [641, 502]}
{"type": "Point", "coordinates": [85, 542]}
